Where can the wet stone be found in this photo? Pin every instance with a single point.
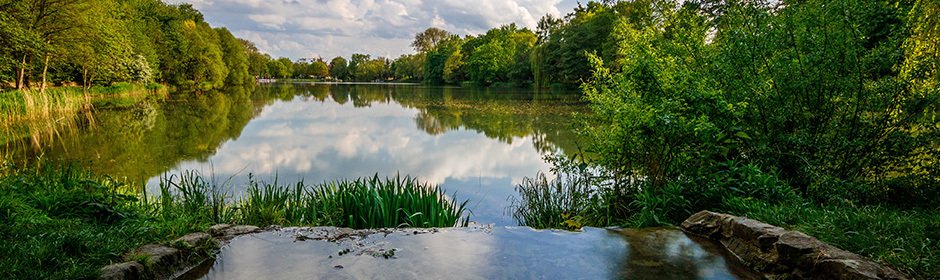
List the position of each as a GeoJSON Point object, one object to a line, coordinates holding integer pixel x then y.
{"type": "Point", "coordinates": [123, 271]}
{"type": "Point", "coordinates": [194, 240]}
{"type": "Point", "coordinates": [158, 255]}
{"type": "Point", "coordinates": [782, 254]}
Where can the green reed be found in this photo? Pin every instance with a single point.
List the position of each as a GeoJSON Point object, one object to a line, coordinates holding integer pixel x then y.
{"type": "Point", "coordinates": [361, 203]}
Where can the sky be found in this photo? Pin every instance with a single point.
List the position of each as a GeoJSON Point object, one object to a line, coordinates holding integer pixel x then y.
{"type": "Point", "coordinates": [329, 28]}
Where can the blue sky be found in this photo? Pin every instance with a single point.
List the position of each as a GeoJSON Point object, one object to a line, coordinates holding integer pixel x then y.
{"type": "Point", "coordinates": [330, 28]}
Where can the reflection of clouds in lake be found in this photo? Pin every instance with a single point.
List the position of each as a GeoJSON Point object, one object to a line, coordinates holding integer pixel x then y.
{"type": "Point", "coordinates": [321, 141]}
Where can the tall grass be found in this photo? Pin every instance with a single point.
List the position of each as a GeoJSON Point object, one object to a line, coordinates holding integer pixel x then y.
{"type": "Point", "coordinates": [393, 202]}
{"type": "Point", "coordinates": [42, 116]}
{"type": "Point", "coordinates": [361, 203]}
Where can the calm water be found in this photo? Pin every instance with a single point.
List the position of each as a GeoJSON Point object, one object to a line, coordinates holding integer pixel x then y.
{"type": "Point", "coordinates": [477, 143]}
{"type": "Point", "coordinates": [466, 253]}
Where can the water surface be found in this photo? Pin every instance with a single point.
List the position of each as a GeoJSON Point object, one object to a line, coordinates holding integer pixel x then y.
{"type": "Point", "coordinates": [473, 253]}
{"type": "Point", "coordinates": [477, 143]}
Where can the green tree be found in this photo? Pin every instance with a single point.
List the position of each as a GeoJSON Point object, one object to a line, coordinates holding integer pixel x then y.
{"type": "Point", "coordinates": [286, 67]}
{"type": "Point", "coordinates": [235, 58]}
{"type": "Point", "coordinates": [339, 68]}
{"type": "Point", "coordinates": [409, 67]}
{"type": "Point", "coordinates": [355, 61]}
{"type": "Point", "coordinates": [428, 39]}
{"type": "Point", "coordinates": [501, 55]}
{"type": "Point", "coordinates": [318, 69]}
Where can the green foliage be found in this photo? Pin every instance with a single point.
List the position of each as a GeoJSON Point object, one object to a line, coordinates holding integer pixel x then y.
{"type": "Point", "coordinates": [409, 67]}
{"type": "Point", "coordinates": [339, 68]}
{"type": "Point", "coordinates": [235, 58]}
{"type": "Point", "coordinates": [102, 42]}
{"type": "Point", "coordinates": [318, 69]}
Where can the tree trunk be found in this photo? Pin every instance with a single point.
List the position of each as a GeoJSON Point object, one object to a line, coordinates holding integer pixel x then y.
{"type": "Point", "coordinates": [85, 79]}
{"type": "Point", "coordinates": [45, 69]}
{"type": "Point", "coordinates": [19, 80]}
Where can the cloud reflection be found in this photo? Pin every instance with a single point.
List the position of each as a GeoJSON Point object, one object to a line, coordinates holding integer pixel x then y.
{"type": "Point", "coordinates": [317, 141]}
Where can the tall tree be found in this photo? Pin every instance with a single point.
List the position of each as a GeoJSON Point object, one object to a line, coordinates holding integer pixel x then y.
{"type": "Point", "coordinates": [235, 58]}
{"type": "Point", "coordinates": [429, 38]}
{"type": "Point", "coordinates": [339, 68]}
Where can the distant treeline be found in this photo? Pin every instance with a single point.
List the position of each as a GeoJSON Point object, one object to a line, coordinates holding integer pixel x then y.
{"type": "Point", "coordinates": [88, 42]}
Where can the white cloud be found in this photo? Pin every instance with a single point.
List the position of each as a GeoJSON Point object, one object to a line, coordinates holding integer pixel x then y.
{"type": "Point", "coordinates": [300, 28]}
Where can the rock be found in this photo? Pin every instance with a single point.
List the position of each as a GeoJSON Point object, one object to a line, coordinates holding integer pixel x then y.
{"type": "Point", "coordinates": [234, 231]}
{"type": "Point", "coordinates": [227, 232]}
{"type": "Point", "coordinates": [158, 255]}
{"type": "Point", "coordinates": [123, 271]}
{"type": "Point", "coordinates": [796, 248]}
{"type": "Point", "coordinates": [778, 253]}
{"type": "Point", "coordinates": [851, 269]}
{"type": "Point", "coordinates": [217, 230]}
{"type": "Point", "coordinates": [194, 240]}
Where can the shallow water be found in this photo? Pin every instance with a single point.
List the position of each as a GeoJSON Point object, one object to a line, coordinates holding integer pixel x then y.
{"type": "Point", "coordinates": [475, 253]}
{"type": "Point", "coordinates": [477, 143]}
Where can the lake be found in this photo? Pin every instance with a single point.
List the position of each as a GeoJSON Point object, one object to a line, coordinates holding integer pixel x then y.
{"type": "Point", "coordinates": [476, 143]}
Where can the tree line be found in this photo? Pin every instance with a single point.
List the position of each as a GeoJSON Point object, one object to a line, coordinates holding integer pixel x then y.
{"type": "Point", "coordinates": [88, 42]}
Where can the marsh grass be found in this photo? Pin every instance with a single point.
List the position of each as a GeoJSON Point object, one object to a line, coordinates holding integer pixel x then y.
{"type": "Point", "coordinates": [361, 203]}
{"type": "Point", "coordinates": [42, 116]}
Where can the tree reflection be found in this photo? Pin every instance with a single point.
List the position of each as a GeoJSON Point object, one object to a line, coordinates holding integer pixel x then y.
{"type": "Point", "coordinates": [154, 136]}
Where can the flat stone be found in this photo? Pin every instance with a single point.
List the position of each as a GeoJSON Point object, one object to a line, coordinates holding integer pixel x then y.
{"type": "Point", "coordinates": [782, 254]}
{"type": "Point", "coordinates": [704, 223]}
{"type": "Point", "coordinates": [848, 269]}
{"type": "Point", "coordinates": [217, 230]}
{"type": "Point", "coordinates": [753, 230]}
{"type": "Point", "coordinates": [234, 231]}
{"type": "Point", "coordinates": [798, 249]}
{"type": "Point", "coordinates": [159, 256]}
{"type": "Point", "coordinates": [195, 239]}
{"type": "Point", "coordinates": [123, 271]}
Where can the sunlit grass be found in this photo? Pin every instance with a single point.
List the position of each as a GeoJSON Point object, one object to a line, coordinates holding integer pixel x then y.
{"type": "Point", "coordinates": [42, 116]}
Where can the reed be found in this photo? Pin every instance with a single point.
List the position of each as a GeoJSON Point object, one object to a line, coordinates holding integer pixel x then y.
{"type": "Point", "coordinates": [361, 203]}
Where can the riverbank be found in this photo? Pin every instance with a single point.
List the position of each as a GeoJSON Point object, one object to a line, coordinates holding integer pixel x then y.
{"type": "Point", "coordinates": [65, 223]}
{"type": "Point", "coordinates": [907, 239]}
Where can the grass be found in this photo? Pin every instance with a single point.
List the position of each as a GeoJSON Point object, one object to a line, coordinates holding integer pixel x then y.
{"type": "Point", "coordinates": [907, 239]}
{"type": "Point", "coordinates": [43, 116]}
{"type": "Point", "coordinates": [65, 223]}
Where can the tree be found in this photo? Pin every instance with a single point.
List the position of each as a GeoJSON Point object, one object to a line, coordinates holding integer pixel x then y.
{"type": "Point", "coordinates": [235, 58]}
{"type": "Point", "coordinates": [318, 69]}
{"type": "Point", "coordinates": [371, 70]}
{"type": "Point", "coordinates": [339, 68]}
{"type": "Point", "coordinates": [436, 59]}
{"type": "Point", "coordinates": [501, 55]}
{"type": "Point", "coordinates": [355, 61]}
{"type": "Point", "coordinates": [409, 67]}
{"type": "Point", "coordinates": [429, 38]}
{"type": "Point", "coordinates": [288, 67]}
